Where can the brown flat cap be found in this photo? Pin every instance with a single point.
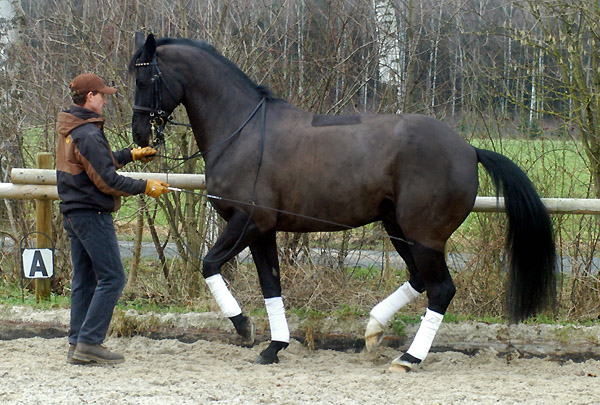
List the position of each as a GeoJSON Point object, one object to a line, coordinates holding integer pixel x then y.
{"type": "Point", "coordinates": [87, 82]}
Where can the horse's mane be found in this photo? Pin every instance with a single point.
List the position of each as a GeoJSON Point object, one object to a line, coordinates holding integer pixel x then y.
{"type": "Point", "coordinates": [208, 48]}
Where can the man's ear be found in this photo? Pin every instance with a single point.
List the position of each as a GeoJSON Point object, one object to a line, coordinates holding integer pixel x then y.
{"type": "Point", "coordinates": [88, 97]}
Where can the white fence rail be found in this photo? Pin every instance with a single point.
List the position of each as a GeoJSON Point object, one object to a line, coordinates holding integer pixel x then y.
{"type": "Point", "coordinates": [41, 183]}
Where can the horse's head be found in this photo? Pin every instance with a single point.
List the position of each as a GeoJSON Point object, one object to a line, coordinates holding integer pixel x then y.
{"type": "Point", "coordinates": [156, 96]}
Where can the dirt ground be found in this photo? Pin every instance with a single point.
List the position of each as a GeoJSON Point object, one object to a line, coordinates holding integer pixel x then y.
{"type": "Point", "coordinates": [33, 370]}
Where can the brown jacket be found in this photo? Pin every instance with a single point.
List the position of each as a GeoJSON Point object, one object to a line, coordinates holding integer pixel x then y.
{"type": "Point", "coordinates": [86, 166]}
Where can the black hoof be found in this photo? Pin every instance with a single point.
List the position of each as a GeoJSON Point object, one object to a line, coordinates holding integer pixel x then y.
{"type": "Point", "coordinates": [410, 359]}
{"type": "Point", "coordinates": [269, 355]}
{"type": "Point", "coordinates": [245, 328]}
{"type": "Point", "coordinates": [404, 363]}
{"type": "Point", "coordinates": [247, 334]}
{"type": "Point", "coordinates": [266, 360]}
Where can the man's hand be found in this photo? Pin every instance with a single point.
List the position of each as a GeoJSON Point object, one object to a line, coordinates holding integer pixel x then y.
{"type": "Point", "coordinates": [156, 188]}
{"type": "Point", "coordinates": [145, 154]}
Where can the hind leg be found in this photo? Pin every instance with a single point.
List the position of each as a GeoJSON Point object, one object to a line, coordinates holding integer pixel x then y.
{"type": "Point", "coordinates": [440, 291]}
{"type": "Point", "coordinates": [264, 253]}
{"type": "Point", "coordinates": [383, 312]}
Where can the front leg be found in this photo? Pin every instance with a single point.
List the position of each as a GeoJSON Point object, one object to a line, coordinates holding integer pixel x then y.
{"type": "Point", "coordinates": [264, 253]}
{"type": "Point", "coordinates": [237, 235]}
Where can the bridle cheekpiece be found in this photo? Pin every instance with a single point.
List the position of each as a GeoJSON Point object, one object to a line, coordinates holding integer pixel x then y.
{"type": "Point", "coordinates": [158, 116]}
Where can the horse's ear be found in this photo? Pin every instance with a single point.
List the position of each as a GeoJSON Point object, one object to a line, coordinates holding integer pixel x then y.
{"type": "Point", "coordinates": [138, 40]}
{"type": "Point", "coordinates": [150, 45]}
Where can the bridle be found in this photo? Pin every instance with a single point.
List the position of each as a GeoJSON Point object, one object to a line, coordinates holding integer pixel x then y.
{"type": "Point", "coordinates": [158, 117]}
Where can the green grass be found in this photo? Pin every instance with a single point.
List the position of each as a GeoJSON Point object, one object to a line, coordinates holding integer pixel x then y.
{"type": "Point", "coordinates": [450, 317]}
{"type": "Point", "coordinates": [145, 305]}
{"type": "Point", "coordinates": [363, 273]}
{"type": "Point", "coordinates": [557, 168]}
{"type": "Point", "coordinates": [10, 294]}
{"type": "Point", "coordinates": [348, 312]}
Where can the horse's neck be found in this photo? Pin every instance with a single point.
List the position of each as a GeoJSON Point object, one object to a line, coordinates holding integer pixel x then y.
{"type": "Point", "coordinates": [217, 123]}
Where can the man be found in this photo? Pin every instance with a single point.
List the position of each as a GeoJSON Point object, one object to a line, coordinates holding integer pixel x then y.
{"type": "Point", "coordinates": [90, 189]}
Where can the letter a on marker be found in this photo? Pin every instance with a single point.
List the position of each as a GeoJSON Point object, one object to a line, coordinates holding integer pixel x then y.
{"type": "Point", "coordinates": [37, 264]}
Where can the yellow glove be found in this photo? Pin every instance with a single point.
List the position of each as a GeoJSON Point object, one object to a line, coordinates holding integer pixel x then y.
{"type": "Point", "coordinates": [155, 188]}
{"type": "Point", "coordinates": [145, 154]}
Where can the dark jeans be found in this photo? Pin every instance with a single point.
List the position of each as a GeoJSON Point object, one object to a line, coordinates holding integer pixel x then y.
{"type": "Point", "coordinates": [98, 274]}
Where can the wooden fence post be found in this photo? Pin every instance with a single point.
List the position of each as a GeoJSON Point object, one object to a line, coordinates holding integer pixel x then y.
{"type": "Point", "coordinates": [43, 210]}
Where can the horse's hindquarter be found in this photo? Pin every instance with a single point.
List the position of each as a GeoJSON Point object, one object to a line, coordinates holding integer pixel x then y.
{"type": "Point", "coordinates": [437, 180]}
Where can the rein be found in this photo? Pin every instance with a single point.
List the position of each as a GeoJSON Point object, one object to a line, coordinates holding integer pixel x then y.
{"type": "Point", "coordinates": [261, 105]}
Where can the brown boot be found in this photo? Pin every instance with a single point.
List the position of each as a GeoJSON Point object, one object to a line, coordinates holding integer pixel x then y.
{"type": "Point", "coordinates": [96, 354]}
{"type": "Point", "coordinates": [70, 358]}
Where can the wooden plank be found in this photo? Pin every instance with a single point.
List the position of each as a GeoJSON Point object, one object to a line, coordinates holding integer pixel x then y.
{"type": "Point", "coordinates": [179, 180]}
{"type": "Point", "coordinates": [28, 191]}
{"type": "Point", "coordinates": [33, 176]}
{"type": "Point", "coordinates": [554, 205]}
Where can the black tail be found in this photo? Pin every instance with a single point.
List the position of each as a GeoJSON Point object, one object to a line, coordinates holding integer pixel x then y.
{"type": "Point", "coordinates": [530, 240]}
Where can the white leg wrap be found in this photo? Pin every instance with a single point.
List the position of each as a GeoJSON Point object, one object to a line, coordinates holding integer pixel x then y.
{"type": "Point", "coordinates": [384, 311]}
{"type": "Point", "coordinates": [421, 344]}
{"type": "Point", "coordinates": [229, 306]}
{"type": "Point", "coordinates": [279, 327]}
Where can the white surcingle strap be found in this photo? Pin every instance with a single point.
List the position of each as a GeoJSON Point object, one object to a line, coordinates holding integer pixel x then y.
{"type": "Point", "coordinates": [229, 306]}
{"type": "Point", "coordinates": [279, 327]}
{"type": "Point", "coordinates": [421, 344]}
{"type": "Point", "coordinates": [384, 311]}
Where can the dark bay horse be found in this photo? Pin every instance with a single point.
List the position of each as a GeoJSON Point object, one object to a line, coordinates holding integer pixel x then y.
{"type": "Point", "coordinates": [273, 167]}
